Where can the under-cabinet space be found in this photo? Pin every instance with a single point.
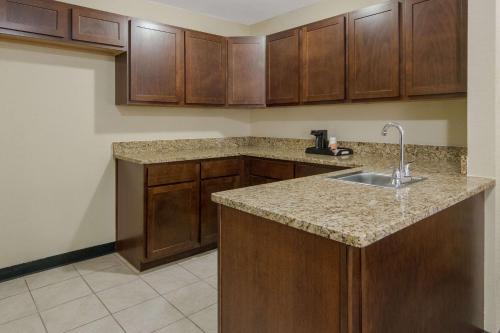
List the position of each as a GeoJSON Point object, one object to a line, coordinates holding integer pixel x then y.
{"type": "Point", "coordinates": [374, 52]}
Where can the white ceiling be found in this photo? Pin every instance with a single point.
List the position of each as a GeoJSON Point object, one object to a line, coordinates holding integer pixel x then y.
{"type": "Point", "coordinates": [241, 11]}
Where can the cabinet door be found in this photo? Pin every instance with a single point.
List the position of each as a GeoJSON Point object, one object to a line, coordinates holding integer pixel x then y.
{"type": "Point", "coordinates": [156, 63]}
{"type": "Point", "coordinates": [323, 60]}
{"type": "Point", "coordinates": [209, 226]}
{"type": "Point", "coordinates": [305, 170]}
{"type": "Point", "coordinates": [283, 67]}
{"type": "Point", "coordinates": [374, 52]}
{"type": "Point", "coordinates": [89, 25]}
{"type": "Point", "coordinates": [173, 219]}
{"type": "Point", "coordinates": [258, 180]}
{"type": "Point", "coordinates": [436, 46]}
{"type": "Point", "coordinates": [246, 79]}
{"type": "Point", "coordinates": [43, 17]}
{"type": "Point", "coordinates": [206, 65]}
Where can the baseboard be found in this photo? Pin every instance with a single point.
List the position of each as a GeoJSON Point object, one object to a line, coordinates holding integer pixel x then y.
{"type": "Point", "coordinates": [12, 272]}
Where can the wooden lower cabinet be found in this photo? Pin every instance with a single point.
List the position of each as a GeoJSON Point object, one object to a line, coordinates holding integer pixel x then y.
{"type": "Point", "coordinates": [173, 219]}
{"type": "Point", "coordinates": [164, 211]}
{"type": "Point", "coordinates": [425, 278]}
{"type": "Point", "coordinates": [209, 230]}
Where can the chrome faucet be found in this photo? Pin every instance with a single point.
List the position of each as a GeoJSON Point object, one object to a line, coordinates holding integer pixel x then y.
{"type": "Point", "coordinates": [403, 172]}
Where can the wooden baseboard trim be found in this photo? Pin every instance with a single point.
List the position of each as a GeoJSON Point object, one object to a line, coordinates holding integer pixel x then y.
{"type": "Point", "coordinates": [16, 271]}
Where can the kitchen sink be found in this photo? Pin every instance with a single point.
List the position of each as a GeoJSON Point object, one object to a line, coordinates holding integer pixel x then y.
{"type": "Point", "coordinates": [377, 179]}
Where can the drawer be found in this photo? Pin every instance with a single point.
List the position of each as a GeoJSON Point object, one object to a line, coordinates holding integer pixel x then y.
{"type": "Point", "coordinates": [163, 174]}
{"type": "Point", "coordinates": [304, 170]}
{"type": "Point", "coordinates": [221, 168]}
{"type": "Point", "coordinates": [258, 180]}
{"type": "Point", "coordinates": [274, 169]}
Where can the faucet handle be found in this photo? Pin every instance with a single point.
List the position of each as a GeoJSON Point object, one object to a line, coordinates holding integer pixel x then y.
{"type": "Point", "coordinates": [406, 171]}
{"type": "Point", "coordinates": [396, 173]}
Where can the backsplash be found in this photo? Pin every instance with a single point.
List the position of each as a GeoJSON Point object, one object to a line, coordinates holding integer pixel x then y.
{"type": "Point", "coordinates": [420, 152]}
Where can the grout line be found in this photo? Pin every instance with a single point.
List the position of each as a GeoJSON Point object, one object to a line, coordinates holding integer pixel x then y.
{"type": "Point", "coordinates": [36, 307]}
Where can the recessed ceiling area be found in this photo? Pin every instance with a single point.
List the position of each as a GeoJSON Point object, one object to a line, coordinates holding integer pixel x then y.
{"type": "Point", "coordinates": [240, 11]}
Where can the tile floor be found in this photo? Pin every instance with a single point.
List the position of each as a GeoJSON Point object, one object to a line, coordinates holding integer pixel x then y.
{"type": "Point", "coordinates": [105, 295]}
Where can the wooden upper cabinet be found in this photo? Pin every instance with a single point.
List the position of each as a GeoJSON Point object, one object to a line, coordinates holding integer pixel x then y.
{"type": "Point", "coordinates": [156, 63]}
{"type": "Point", "coordinates": [98, 27]}
{"type": "Point", "coordinates": [206, 66]}
{"type": "Point", "coordinates": [246, 79]}
{"type": "Point", "coordinates": [323, 60]}
{"type": "Point", "coordinates": [42, 17]}
{"type": "Point", "coordinates": [283, 73]}
{"type": "Point", "coordinates": [436, 46]}
{"type": "Point", "coordinates": [374, 52]}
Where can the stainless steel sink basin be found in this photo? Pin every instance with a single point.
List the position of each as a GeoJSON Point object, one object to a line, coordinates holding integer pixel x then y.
{"type": "Point", "coordinates": [376, 179]}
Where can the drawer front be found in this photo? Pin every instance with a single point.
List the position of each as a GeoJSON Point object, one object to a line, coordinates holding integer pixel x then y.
{"type": "Point", "coordinates": [279, 170]}
{"type": "Point", "coordinates": [98, 27]}
{"type": "Point", "coordinates": [258, 180]}
{"type": "Point", "coordinates": [221, 168]}
{"type": "Point", "coordinates": [304, 170]}
{"type": "Point", "coordinates": [42, 17]}
{"type": "Point", "coordinates": [163, 174]}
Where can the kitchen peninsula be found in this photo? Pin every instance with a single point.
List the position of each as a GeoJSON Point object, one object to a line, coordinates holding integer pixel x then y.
{"type": "Point", "coordinates": [313, 253]}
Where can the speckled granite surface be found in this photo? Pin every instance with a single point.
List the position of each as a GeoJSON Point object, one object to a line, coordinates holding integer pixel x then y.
{"type": "Point", "coordinates": [354, 214]}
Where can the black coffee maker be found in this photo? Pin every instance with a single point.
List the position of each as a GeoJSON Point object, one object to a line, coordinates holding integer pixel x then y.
{"type": "Point", "coordinates": [321, 141]}
{"type": "Point", "coordinates": [321, 145]}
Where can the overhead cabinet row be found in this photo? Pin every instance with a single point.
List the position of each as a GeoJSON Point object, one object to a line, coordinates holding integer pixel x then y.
{"type": "Point", "coordinates": [60, 22]}
{"type": "Point", "coordinates": [392, 50]}
{"type": "Point", "coordinates": [168, 65]}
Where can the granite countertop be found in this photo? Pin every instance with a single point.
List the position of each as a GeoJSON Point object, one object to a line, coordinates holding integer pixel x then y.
{"type": "Point", "coordinates": [354, 214]}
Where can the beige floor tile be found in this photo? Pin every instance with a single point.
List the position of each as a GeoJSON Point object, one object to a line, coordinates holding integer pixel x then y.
{"type": "Point", "coordinates": [148, 316]}
{"type": "Point", "coordinates": [206, 319]}
{"type": "Point", "coordinates": [104, 325]}
{"type": "Point", "coordinates": [110, 277]}
{"type": "Point", "coordinates": [71, 315]}
{"type": "Point", "coordinates": [213, 281]}
{"type": "Point", "coordinates": [12, 287]}
{"type": "Point", "coordinates": [52, 295]}
{"type": "Point", "coordinates": [203, 267]}
{"type": "Point", "coordinates": [193, 298]}
{"type": "Point", "coordinates": [16, 307]}
{"type": "Point", "coordinates": [126, 295]}
{"type": "Point", "coordinates": [169, 278]}
{"type": "Point", "coordinates": [31, 324]}
{"type": "Point", "coordinates": [97, 264]}
{"type": "Point", "coordinates": [51, 276]}
{"type": "Point", "coordinates": [181, 326]}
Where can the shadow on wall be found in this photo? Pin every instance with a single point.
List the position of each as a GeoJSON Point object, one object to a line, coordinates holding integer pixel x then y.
{"type": "Point", "coordinates": [100, 97]}
{"type": "Point", "coordinates": [439, 122]}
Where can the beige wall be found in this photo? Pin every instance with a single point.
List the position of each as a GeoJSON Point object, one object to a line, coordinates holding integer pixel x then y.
{"type": "Point", "coordinates": [484, 136]}
{"type": "Point", "coordinates": [58, 123]}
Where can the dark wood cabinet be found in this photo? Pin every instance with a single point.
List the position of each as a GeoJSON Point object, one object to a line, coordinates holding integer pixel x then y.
{"type": "Point", "coordinates": [156, 54]}
{"type": "Point", "coordinates": [164, 211]}
{"type": "Point", "coordinates": [246, 79]}
{"type": "Point", "coordinates": [41, 17]}
{"type": "Point", "coordinates": [306, 169]}
{"type": "Point", "coordinates": [173, 219]}
{"type": "Point", "coordinates": [374, 53]}
{"type": "Point", "coordinates": [323, 46]}
{"type": "Point", "coordinates": [208, 225]}
{"type": "Point", "coordinates": [283, 73]}
{"type": "Point", "coordinates": [206, 65]}
{"type": "Point", "coordinates": [93, 26]}
{"type": "Point", "coordinates": [436, 46]}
